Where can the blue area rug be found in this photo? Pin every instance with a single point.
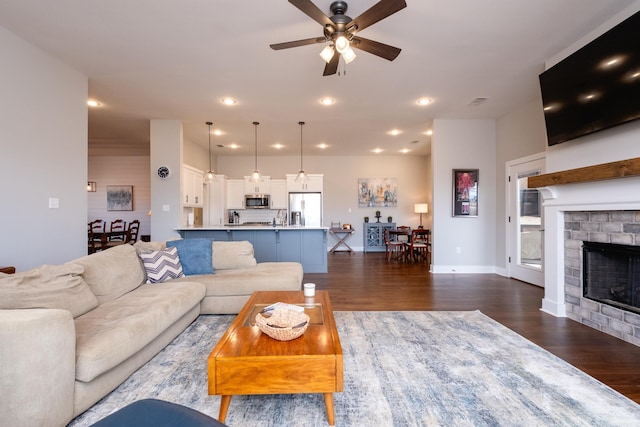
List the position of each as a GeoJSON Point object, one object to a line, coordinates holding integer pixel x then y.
{"type": "Point", "coordinates": [400, 369]}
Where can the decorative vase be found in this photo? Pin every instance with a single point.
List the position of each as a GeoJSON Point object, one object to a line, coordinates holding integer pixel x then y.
{"type": "Point", "coordinates": [366, 219]}
{"type": "Point", "coordinates": [389, 219]}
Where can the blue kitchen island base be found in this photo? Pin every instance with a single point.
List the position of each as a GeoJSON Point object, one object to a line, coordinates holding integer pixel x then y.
{"type": "Point", "coordinates": [306, 245]}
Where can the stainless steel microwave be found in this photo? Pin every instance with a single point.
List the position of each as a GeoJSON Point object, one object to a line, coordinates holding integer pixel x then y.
{"type": "Point", "coordinates": [257, 201]}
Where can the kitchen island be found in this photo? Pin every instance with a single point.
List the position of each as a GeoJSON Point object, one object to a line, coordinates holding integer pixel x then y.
{"type": "Point", "coordinates": [306, 245]}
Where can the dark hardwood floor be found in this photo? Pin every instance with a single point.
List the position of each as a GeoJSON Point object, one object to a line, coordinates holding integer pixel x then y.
{"type": "Point", "coordinates": [368, 282]}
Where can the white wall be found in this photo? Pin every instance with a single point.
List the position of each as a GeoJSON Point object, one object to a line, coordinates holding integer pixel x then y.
{"type": "Point", "coordinates": [43, 155]}
{"type": "Point", "coordinates": [340, 184]}
{"type": "Point", "coordinates": [463, 144]}
{"type": "Point", "coordinates": [519, 134]}
{"type": "Point", "coordinates": [166, 150]}
{"type": "Point", "coordinates": [120, 170]}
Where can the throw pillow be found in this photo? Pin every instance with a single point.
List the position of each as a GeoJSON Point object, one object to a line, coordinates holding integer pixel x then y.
{"type": "Point", "coordinates": [162, 265]}
{"type": "Point", "coordinates": [195, 255]}
{"type": "Point", "coordinates": [233, 255]}
{"type": "Point", "coordinates": [48, 286]}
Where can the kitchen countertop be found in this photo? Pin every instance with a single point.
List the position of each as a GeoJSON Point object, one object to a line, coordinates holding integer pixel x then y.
{"type": "Point", "coordinates": [249, 227]}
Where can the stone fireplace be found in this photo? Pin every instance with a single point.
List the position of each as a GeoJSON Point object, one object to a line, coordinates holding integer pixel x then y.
{"type": "Point", "coordinates": [603, 298]}
{"type": "Point", "coordinates": [600, 204]}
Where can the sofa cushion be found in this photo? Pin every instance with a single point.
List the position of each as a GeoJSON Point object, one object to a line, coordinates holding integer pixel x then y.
{"type": "Point", "coordinates": [195, 255]}
{"type": "Point", "coordinates": [113, 272]}
{"type": "Point", "coordinates": [48, 286]}
{"type": "Point", "coordinates": [233, 255]}
{"type": "Point", "coordinates": [142, 247]}
{"type": "Point", "coordinates": [116, 330]}
{"type": "Point", "coordinates": [161, 266]}
{"type": "Point", "coordinates": [265, 276]}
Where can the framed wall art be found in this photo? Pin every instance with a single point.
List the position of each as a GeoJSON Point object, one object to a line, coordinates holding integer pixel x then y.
{"type": "Point", "coordinates": [465, 192]}
{"type": "Point", "coordinates": [374, 192]}
{"type": "Point", "coordinates": [119, 197]}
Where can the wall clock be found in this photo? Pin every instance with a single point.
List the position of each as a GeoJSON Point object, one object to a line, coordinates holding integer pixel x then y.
{"type": "Point", "coordinates": [163, 172]}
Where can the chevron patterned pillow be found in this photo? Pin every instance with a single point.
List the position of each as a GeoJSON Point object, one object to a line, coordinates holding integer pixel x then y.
{"type": "Point", "coordinates": [162, 265]}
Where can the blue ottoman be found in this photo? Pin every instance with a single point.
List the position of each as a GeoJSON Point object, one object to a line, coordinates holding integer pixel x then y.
{"type": "Point", "coordinates": [157, 413]}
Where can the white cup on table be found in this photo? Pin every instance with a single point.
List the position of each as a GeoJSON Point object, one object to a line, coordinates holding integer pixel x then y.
{"type": "Point", "coordinates": [309, 289]}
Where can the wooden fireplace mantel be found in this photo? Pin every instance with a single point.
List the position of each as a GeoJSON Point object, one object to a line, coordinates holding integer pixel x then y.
{"type": "Point", "coordinates": [613, 170]}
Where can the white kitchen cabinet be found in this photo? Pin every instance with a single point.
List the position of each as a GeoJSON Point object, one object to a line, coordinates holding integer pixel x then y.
{"type": "Point", "coordinates": [217, 212]}
{"type": "Point", "coordinates": [262, 187]}
{"type": "Point", "coordinates": [314, 184]}
{"type": "Point", "coordinates": [235, 194]}
{"type": "Point", "coordinates": [192, 189]}
{"type": "Point", "coordinates": [278, 194]}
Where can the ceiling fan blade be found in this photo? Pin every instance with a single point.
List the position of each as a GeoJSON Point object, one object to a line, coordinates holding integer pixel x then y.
{"type": "Point", "coordinates": [296, 43]}
{"type": "Point", "coordinates": [332, 66]}
{"type": "Point", "coordinates": [312, 11]}
{"type": "Point", "coordinates": [376, 13]}
{"type": "Point", "coordinates": [379, 49]}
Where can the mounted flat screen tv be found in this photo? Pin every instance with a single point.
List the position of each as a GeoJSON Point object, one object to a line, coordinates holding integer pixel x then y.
{"type": "Point", "coordinates": [595, 88]}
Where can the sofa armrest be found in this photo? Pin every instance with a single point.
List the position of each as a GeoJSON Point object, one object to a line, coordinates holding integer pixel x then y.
{"type": "Point", "coordinates": [37, 373]}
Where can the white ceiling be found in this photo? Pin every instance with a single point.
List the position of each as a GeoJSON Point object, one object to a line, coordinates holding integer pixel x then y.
{"type": "Point", "coordinates": [168, 59]}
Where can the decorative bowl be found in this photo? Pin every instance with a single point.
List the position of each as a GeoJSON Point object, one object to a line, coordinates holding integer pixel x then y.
{"type": "Point", "coordinates": [283, 324]}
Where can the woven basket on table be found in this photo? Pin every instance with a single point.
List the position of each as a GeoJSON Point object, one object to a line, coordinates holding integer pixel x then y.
{"type": "Point", "coordinates": [279, 325]}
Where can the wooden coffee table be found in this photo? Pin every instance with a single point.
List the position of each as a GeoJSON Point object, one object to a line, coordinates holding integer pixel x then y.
{"type": "Point", "coordinates": [246, 361]}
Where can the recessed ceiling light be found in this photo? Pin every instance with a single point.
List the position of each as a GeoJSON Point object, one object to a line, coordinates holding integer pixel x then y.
{"type": "Point", "coordinates": [377, 150]}
{"type": "Point", "coordinates": [217, 132]}
{"type": "Point", "coordinates": [428, 132]}
{"type": "Point", "coordinates": [322, 146]}
{"type": "Point", "coordinates": [93, 103]}
{"type": "Point", "coordinates": [327, 101]}
{"type": "Point", "coordinates": [278, 146]}
{"type": "Point", "coordinates": [229, 101]}
{"type": "Point", "coordinates": [424, 101]}
{"type": "Point", "coordinates": [405, 150]}
{"type": "Point", "coordinates": [234, 146]}
{"type": "Point", "coordinates": [394, 132]}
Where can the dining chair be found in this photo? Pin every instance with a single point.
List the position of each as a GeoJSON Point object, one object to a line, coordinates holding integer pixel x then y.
{"type": "Point", "coordinates": [404, 232]}
{"type": "Point", "coordinates": [116, 226]}
{"type": "Point", "coordinates": [95, 228]}
{"type": "Point", "coordinates": [132, 232]}
{"type": "Point", "coordinates": [420, 245]}
{"type": "Point", "coordinates": [394, 249]}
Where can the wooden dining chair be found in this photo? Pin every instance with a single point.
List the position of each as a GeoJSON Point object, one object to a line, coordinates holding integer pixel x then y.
{"type": "Point", "coordinates": [420, 245]}
{"type": "Point", "coordinates": [394, 249]}
{"type": "Point", "coordinates": [403, 237]}
{"type": "Point", "coordinates": [95, 228]}
{"type": "Point", "coordinates": [132, 232]}
{"type": "Point", "coordinates": [117, 225]}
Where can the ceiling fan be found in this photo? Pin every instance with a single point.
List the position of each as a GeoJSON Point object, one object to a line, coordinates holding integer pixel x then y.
{"type": "Point", "coordinates": [340, 30]}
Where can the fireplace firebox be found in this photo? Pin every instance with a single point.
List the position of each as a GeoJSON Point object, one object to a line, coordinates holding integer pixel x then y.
{"type": "Point", "coordinates": [611, 274]}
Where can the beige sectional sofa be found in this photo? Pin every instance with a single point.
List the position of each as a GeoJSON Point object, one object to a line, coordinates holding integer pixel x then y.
{"type": "Point", "coordinates": [70, 334]}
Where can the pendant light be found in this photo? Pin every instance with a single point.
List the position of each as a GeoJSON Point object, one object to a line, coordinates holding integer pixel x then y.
{"type": "Point", "coordinates": [209, 176]}
{"type": "Point", "coordinates": [255, 175]}
{"type": "Point", "coordinates": [302, 176]}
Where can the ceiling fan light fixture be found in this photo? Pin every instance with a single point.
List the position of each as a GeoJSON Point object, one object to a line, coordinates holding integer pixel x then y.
{"type": "Point", "coordinates": [348, 55]}
{"type": "Point", "coordinates": [342, 44]}
{"type": "Point", "coordinates": [209, 176]}
{"type": "Point", "coordinates": [327, 53]}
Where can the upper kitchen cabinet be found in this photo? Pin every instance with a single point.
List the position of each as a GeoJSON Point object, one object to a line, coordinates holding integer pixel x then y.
{"type": "Point", "coordinates": [262, 187]}
{"type": "Point", "coordinates": [235, 194]}
{"type": "Point", "coordinates": [192, 190]}
{"type": "Point", "coordinates": [279, 197]}
{"type": "Point", "coordinates": [314, 184]}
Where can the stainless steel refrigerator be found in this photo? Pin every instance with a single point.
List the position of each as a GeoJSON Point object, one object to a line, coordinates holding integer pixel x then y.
{"type": "Point", "coordinates": [305, 208]}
